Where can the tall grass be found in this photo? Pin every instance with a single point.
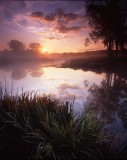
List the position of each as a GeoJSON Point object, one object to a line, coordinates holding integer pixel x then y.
{"type": "Point", "coordinates": [39, 127]}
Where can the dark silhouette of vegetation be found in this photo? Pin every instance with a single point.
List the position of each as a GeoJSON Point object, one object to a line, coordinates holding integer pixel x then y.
{"type": "Point", "coordinates": [35, 47]}
{"type": "Point", "coordinates": [108, 21]}
{"type": "Point", "coordinates": [16, 45]}
{"type": "Point", "coordinates": [109, 101]}
{"type": "Point", "coordinates": [113, 89]}
{"type": "Point", "coordinates": [38, 127]}
{"type": "Point", "coordinates": [97, 62]}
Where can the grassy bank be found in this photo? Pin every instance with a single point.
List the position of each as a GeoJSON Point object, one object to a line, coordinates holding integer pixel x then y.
{"type": "Point", "coordinates": [38, 127]}
{"type": "Point", "coordinates": [98, 64]}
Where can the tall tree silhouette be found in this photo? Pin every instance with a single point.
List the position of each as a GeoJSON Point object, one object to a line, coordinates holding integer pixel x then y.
{"type": "Point", "coordinates": [108, 21]}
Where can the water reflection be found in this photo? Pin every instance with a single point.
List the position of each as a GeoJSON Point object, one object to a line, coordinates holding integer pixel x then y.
{"type": "Point", "coordinates": [109, 99]}
{"type": "Point", "coordinates": [98, 88]}
{"type": "Point", "coordinates": [103, 92]}
{"type": "Point", "coordinates": [37, 72]}
{"type": "Point", "coordinates": [48, 78]}
{"type": "Point", "coordinates": [107, 94]}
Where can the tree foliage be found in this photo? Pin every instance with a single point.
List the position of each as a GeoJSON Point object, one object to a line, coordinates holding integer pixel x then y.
{"type": "Point", "coordinates": [108, 21]}
{"type": "Point", "coordinates": [16, 45]}
{"type": "Point", "coordinates": [35, 46]}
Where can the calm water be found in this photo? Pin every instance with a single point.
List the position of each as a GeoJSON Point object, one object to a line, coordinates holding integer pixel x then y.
{"type": "Point", "coordinates": [49, 78]}
{"type": "Point", "coordinates": [105, 93]}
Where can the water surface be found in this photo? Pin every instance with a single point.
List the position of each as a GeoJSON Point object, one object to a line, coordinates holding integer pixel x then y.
{"type": "Point", "coordinates": [101, 91]}
{"type": "Point", "coordinates": [49, 78]}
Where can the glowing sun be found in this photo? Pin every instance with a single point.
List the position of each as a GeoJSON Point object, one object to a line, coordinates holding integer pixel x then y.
{"type": "Point", "coordinates": [44, 50]}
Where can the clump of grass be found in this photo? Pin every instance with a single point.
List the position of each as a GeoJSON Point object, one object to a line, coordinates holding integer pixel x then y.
{"type": "Point", "coordinates": [39, 127]}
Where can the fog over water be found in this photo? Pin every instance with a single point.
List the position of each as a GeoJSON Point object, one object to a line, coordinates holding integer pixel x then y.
{"type": "Point", "coordinates": [91, 82]}
{"type": "Point", "coordinates": [47, 75]}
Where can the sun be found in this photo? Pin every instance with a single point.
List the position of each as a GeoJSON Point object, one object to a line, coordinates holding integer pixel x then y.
{"type": "Point", "coordinates": [45, 50]}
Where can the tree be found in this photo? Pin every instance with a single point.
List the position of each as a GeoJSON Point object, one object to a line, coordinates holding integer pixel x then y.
{"type": "Point", "coordinates": [108, 21]}
{"type": "Point", "coordinates": [35, 46]}
{"type": "Point", "coordinates": [16, 45]}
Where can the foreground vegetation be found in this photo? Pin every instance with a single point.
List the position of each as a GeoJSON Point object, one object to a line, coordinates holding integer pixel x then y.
{"type": "Point", "coordinates": [38, 127]}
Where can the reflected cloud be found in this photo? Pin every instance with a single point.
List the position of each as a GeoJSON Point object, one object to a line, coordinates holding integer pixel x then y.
{"type": "Point", "coordinates": [37, 73]}
{"type": "Point", "coordinates": [70, 92]}
{"type": "Point", "coordinates": [65, 86]}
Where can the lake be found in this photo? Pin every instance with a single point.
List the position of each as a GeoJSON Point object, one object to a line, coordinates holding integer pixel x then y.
{"type": "Point", "coordinates": [49, 78]}
{"type": "Point", "coordinates": [103, 91]}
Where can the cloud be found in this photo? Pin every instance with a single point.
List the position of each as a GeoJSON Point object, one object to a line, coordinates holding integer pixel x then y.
{"type": "Point", "coordinates": [67, 17]}
{"type": "Point", "coordinates": [50, 18]}
{"type": "Point", "coordinates": [58, 16]}
{"type": "Point", "coordinates": [37, 15]}
{"type": "Point", "coordinates": [64, 86]}
{"type": "Point", "coordinates": [37, 73]}
{"type": "Point", "coordinates": [49, 35]}
{"type": "Point", "coordinates": [40, 16]}
{"type": "Point", "coordinates": [68, 91]}
{"type": "Point", "coordinates": [8, 9]}
{"type": "Point", "coordinates": [53, 38]}
{"type": "Point", "coordinates": [64, 29]}
{"type": "Point", "coordinates": [61, 21]}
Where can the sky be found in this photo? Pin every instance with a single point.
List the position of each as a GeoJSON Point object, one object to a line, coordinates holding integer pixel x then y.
{"type": "Point", "coordinates": [59, 26]}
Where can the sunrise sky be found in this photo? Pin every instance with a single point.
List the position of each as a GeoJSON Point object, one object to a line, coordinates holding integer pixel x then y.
{"type": "Point", "coordinates": [59, 26]}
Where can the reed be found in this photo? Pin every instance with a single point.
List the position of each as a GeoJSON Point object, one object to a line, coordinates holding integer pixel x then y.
{"type": "Point", "coordinates": [40, 127]}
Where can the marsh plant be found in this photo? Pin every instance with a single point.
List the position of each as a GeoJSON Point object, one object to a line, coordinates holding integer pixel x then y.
{"type": "Point", "coordinates": [40, 127]}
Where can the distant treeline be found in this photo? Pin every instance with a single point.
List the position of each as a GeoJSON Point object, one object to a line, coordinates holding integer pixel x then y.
{"type": "Point", "coordinates": [15, 45]}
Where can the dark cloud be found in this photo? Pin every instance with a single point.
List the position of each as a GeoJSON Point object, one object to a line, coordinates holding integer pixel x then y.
{"type": "Point", "coordinates": [67, 17]}
{"type": "Point", "coordinates": [37, 15]}
{"type": "Point", "coordinates": [58, 16]}
{"type": "Point", "coordinates": [73, 17]}
{"type": "Point", "coordinates": [40, 16]}
{"type": "Point", "coordinates": [50, 18]}
{"type": "Point", "coordinates": [64, 29]}
{"type": "Point", "coordinates": [61, 20]}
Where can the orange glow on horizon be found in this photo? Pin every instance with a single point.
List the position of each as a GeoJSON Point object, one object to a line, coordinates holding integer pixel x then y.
{"type": "Point", "coordinates": [44, 50]}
